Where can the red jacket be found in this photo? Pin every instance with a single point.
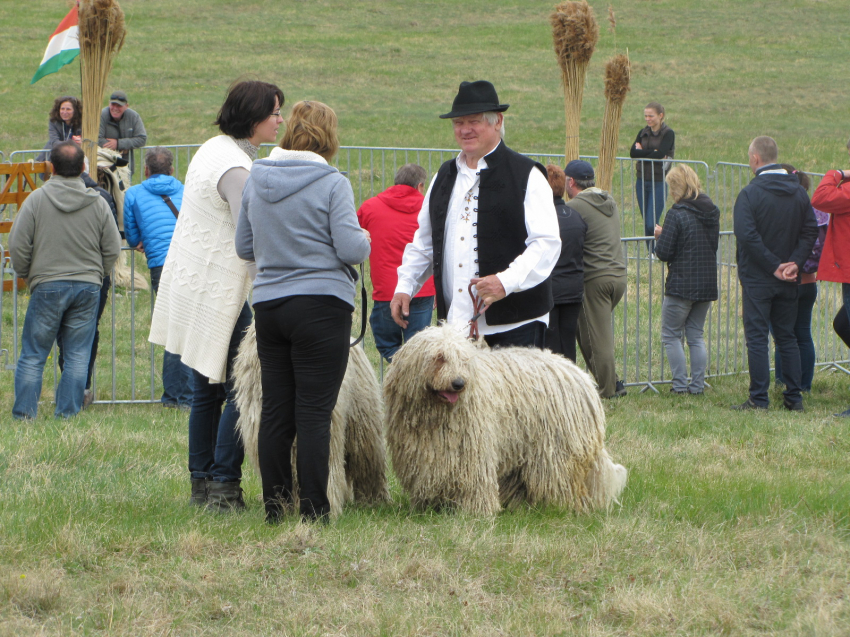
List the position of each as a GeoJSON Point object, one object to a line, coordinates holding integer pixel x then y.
{"type": "Point", "coordinates": [391, 218]}
{"type": "Point", "coordinates": [833, 197]}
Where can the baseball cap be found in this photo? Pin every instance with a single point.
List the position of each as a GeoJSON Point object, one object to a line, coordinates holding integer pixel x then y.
{"type": "Point", "coordinates": [118, 97]}
{"type": "Point", "coordinates": [579, 169]}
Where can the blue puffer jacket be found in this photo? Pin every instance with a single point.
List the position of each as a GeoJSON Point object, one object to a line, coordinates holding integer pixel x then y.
{"type": "Point", "coordinates": [147, 218]}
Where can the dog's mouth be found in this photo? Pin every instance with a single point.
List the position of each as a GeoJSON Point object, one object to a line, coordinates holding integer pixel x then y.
{"type": "Point", "coordinates": [448, 396]}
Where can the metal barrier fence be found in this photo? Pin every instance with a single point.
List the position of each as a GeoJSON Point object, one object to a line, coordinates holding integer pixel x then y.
{"type": "Point", "coordinates": [129, 370]}
{"type": "Point", "coordinates": [128, 366]}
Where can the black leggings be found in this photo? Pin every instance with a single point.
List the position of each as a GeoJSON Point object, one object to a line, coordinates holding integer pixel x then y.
{"type": "Point", "coordinates": [302, 343]}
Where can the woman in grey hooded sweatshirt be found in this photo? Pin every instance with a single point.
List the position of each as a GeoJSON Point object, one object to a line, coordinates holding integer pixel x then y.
{"type": "Point", "coordinates": [299, 225]}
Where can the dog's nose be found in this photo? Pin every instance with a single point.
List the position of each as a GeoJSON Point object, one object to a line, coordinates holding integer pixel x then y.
{"type": "Point", "coordinates": [458, 384]}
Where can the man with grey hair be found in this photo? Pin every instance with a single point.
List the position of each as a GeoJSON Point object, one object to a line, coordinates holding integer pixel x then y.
{"type": "Point", "coordinates": [150, 215]}
{"type": "Point", "coordinates": [775, 229]}
{"type": "Point", "coordinates": [488, 221]}
{"type": "Point", "coordinates": [121, 128]}
{"type": "Point", "coordinates": [391, 220]}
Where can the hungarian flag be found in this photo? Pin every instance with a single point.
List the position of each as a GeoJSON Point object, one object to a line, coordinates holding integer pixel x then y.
{"type": "Point", "coordinates": [63, 47]}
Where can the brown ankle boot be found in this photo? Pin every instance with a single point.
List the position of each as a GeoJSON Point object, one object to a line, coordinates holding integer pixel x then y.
{"type": "Point", "coordinates": [224, 496]}
{"type": "Point", "coordinates": [199, 492]}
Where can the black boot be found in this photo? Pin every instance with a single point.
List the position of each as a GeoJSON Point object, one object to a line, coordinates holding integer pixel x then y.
{"type": "Point", "coordinates": [224, 496]}
{"type": "Point", "coordinates": [199, 492]}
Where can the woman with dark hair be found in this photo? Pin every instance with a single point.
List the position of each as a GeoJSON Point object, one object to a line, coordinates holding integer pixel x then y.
{"type": "Point", "coordinates": [807, 294]}
{"type": "Point", "coordinates": [64, 124]}
{"type": "Point", "coordinates": [688, 243]}
{"type": "Point", "coordinates": [200, 312]}
{"type": "Point", "coordinates": [299, 224]}
{"type": "Point", "coordinates": [568, 274]}
{"type": "Point", "coordinates": [655, 142]}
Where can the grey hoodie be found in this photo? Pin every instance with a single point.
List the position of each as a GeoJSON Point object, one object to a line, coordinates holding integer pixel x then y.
{"type": "Point", "coordinates": [603, 251]}
{"type": "Point", "coordinates": [299, 225]}
{"type": "Point", "coordinates": [64, 232]}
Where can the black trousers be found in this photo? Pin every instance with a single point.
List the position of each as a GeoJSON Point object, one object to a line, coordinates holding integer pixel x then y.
{"type": "Point", "coordinates": [302, 343]}
{"type": "Point", "coordinates": [764, 307]}
{"type": "Point", "coordinates": [561, 333]}
{"type": "Point", "coordinates": [529, 335]}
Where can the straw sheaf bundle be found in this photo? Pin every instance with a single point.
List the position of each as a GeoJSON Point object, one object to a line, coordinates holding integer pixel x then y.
{"type": "Point", "coordinates": [617, 74]}
{"type": "Point", "coordinates": [574, 34]}
{"type": "Point", "coordinates": [102, 34]}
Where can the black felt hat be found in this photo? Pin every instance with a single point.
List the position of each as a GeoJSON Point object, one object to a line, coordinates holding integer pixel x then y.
{"type": "Point", "coordinates": [475, 97]}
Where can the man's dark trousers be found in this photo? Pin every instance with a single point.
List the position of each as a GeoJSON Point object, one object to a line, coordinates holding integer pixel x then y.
{"type": "Point", "coordinates": [763, 307]}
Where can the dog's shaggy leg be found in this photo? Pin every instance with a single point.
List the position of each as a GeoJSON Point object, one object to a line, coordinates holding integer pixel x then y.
{"type": "Point", "coordinates": [605, 481]}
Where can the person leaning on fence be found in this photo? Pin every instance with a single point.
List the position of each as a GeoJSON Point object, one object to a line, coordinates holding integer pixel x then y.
{"type": "Point", "coordinates": [201, 312]}
{"type": "Point", "coordinates": [88, 396]}
{"type": "Point", "coordinates": [655, 141]}
{"type": "Point", "coordinates": [604, 275]}
{"type": "Point", "coordinates": [568, 274]}
{"type": "Point", "coordinates": [63, 124]}
{"type": "Point", "coordinates": [807, 294]}
{"type": "Point", "coordinates": [775, 230]}
{"type": "Point", "coordinates": [121, 128]}
{"type": "Point", "coordinates": [299, 224]}
{"type": "Point", "coordinates": [688, 242]}
{"type": "Point", "coordinates": [63, 242]}
{"type": "Point", "coordinates": [507, 250]}
{"type": "Point", "coordinates": [391, 218]}
{"type": "Point", "coordinates": [832, 196]}
{"type": "Point", "coordinates": [150, 214]}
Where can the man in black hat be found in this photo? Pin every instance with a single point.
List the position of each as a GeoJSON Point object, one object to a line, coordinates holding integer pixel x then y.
{"type": "Point", "coordinates": [604, 274]}
{"type": "Point", "coordinates": [121, 128]}
{"type": "Point", "coordinates": [488, 219]}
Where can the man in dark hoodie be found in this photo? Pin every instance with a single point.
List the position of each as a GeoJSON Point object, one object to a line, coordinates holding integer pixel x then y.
{"type": "Point", "coordinates": [391, 219]}
{"type": "Point", "coordinates": [604, 274]}
{"type": "Point", "coordinates": [775, 229]}
{"type": "Point", "coordinates": [63, 242]}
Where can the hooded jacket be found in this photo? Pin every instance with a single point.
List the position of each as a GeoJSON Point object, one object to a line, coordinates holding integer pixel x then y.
{"type": "Point", "coordinates": [774, 224]}
{"type": "Point", "coordinates": [64, 232]}
{"type": "Point", "coordinates": [833, 197]}
{"type": "Point", "coordinates": [603, 250]}
{"type": "Point", "coordinates": [299, 225]}
{"type": "Point", "coordinates": [689, 245]}
{"type": "Point", "coordinates": [147, 218]}
{"type": "Point", "coordinates": [391, 219]}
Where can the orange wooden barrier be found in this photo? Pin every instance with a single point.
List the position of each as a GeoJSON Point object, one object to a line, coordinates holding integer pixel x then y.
{"type": "Point", "coordinates": [18, 181]}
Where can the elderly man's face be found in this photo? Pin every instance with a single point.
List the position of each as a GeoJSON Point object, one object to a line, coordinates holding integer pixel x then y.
{"type": "Point", "coordinates": [475, 135]}
{"type": "Point", "coordinates": [117, 110]}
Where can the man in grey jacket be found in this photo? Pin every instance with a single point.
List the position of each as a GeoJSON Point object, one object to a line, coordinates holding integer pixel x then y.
{"type": "Point", "coordinates": [63, 242]}
{"type": "Point", "coordinates": [121, 128]}
{"type": "Point", "coordinates": [604, 274]}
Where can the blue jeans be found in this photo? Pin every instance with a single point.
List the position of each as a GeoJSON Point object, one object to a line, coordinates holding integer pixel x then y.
{"type": "Point", "coordinates": [104, 295]}
{"type": "Point", "coordinates": [388, 335]}
{"type": "Point", "coordinates": [177, 378]}
{"type": "Point", "coordinates": [215, 449]}
{"type": "Point", "coordinates": [680, 316]}
{"type": "Point", "coordinates": [807, 294]}
{"type": "Point", "coordinates": [65, 309]}
{"type": "Point", "coordinates": [651, 196]}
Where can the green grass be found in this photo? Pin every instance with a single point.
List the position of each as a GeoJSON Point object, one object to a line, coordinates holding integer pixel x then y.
{"type": "Point", "coordinates": [726, 71]}
{"type": "Point", "coordinates": [734, 524]}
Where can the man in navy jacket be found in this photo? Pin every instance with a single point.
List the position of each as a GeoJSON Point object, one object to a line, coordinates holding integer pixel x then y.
{"type": "Point", "coordinates": [775, 229]}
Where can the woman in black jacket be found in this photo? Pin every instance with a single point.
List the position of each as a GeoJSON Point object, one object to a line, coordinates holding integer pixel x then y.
{"type": "Point", "coordinates": [688, 242]}
{"type": "Point", "coordinates": [568, 274]}
{"type": "Point", "coordinates": [655, 142]}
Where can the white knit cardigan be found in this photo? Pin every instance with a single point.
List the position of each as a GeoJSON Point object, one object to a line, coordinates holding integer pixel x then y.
{"type": "Point", "coordinates": [203, 284]}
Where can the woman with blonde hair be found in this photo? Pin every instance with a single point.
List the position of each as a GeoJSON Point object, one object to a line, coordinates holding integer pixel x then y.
{"type": "Point", "coordinates": [688, 243]}
{"type": "Point", "coordinates": [300, 226]}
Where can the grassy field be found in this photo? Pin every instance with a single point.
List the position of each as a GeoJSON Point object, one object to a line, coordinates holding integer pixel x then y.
{"type": "Point", "coordinates": [726, 71]}
{"type": "Point", "coordinates": [734, 524]}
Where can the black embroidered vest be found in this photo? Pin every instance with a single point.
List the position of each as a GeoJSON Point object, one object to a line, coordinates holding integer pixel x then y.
{"type": "Point", "coordinates": [500, 231]}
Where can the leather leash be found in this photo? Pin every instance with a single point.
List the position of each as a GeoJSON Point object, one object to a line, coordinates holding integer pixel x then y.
{"type": "Point", "coordinates": [478, 306]}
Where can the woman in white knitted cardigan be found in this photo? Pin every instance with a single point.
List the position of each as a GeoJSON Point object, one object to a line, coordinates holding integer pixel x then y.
{"type": "Point", "coordinates": [201, 311]}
